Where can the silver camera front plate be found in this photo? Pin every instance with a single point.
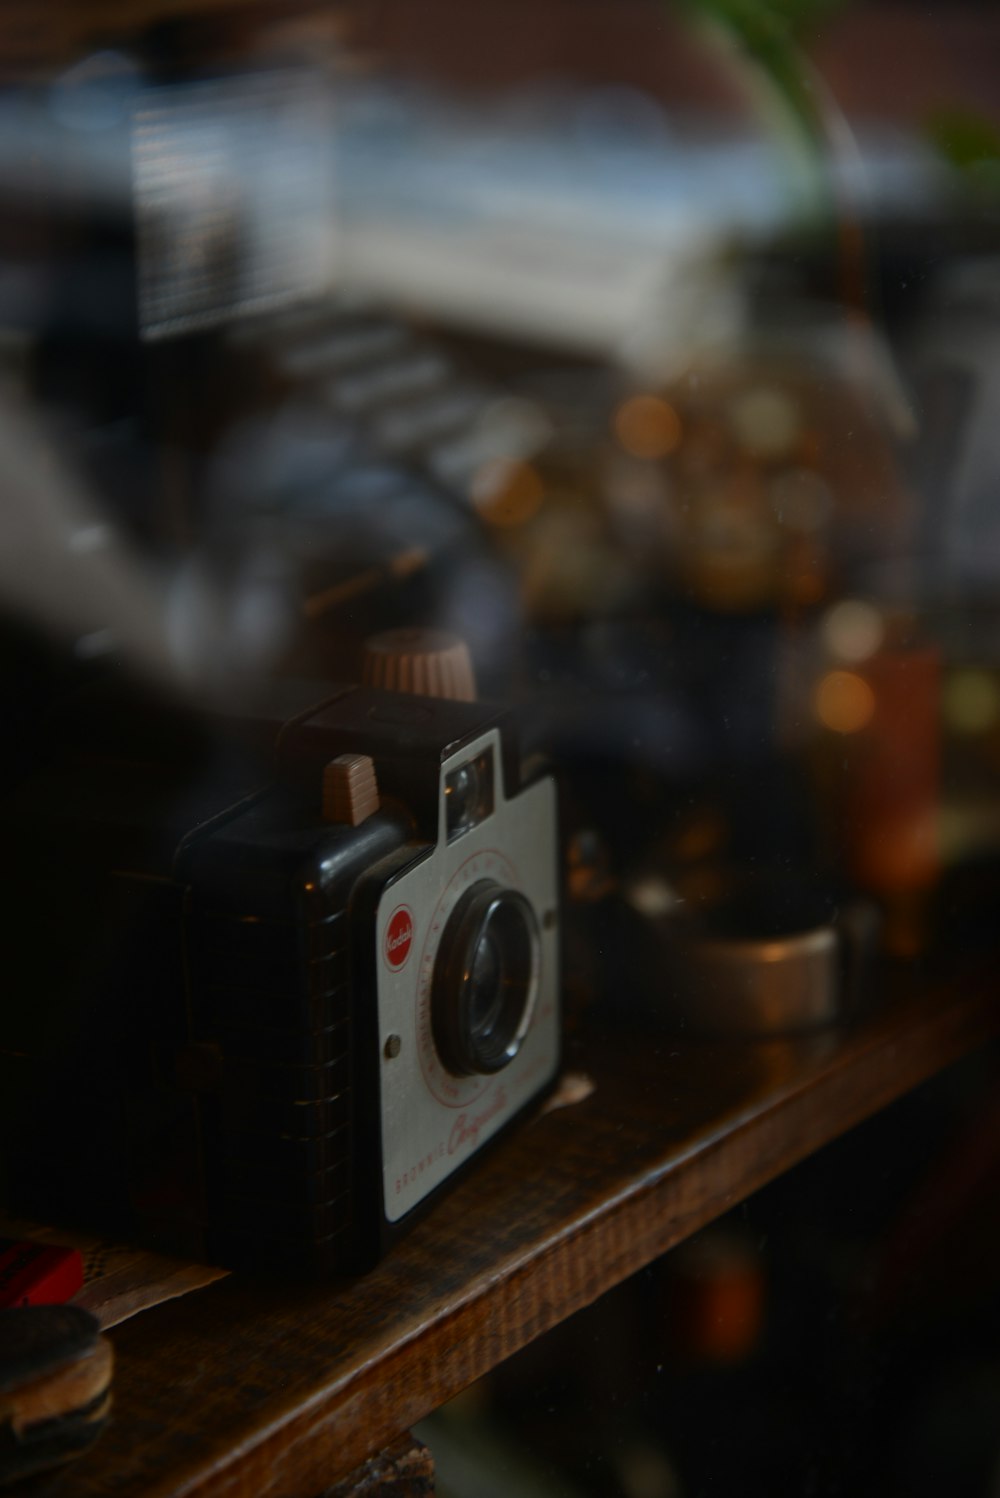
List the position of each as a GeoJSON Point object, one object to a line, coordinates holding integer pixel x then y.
{"type": "Point", "coordinates": [433, 1121]}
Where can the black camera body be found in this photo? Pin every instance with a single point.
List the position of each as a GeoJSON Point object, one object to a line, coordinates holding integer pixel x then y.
{"type": "Point", "coordinates": [251, 1031]}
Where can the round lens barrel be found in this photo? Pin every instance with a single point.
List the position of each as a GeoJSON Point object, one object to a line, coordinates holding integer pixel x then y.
{"type": "Point", "coordinates": [485, 980]}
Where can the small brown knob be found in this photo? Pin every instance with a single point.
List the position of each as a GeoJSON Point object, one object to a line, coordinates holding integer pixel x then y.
{"type": "Point", "coordinates": [350, 790]}
{"type": "Point", "coordinates": [429, 662]}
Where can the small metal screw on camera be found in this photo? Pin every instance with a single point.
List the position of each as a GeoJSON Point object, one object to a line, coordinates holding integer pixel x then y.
{"type": "Point", "coordinates": [393, 1046]}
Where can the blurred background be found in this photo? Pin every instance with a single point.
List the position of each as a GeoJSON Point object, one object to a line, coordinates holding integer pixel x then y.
{"type": "Point", "coordinates": [654, 348]}
{"type": "Point", "coordinates": [647, 346]}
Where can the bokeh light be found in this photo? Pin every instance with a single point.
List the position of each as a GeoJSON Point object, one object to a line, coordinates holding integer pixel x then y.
{"type": "Point", "coordinates": [765, 421]}
{"type": "Point", "coordinates": [507, 494]}
{"type": "Point", "coordinates": [647, 426]}
{"type": "Point", "coordinates": [845, 702]}
{"type": "Point", "coordinates": [971, 701]}
{"type": "Point", "coordinates": [802, 500]}
{"type": "Point", "coordinates": [853, 630]}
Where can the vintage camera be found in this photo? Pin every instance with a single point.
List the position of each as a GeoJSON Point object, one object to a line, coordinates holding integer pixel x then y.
{"type": "Point", "coordinates": [265, 1017]}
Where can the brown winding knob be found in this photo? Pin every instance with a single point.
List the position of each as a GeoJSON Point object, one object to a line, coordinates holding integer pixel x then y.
{"type": "Point", "coordinates": [429, 662]}
{"type": "Point", "coordinates": [350, 789]}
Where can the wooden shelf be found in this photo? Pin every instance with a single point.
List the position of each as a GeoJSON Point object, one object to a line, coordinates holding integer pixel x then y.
{"type": "Point", "coordinates": [252, 1389]}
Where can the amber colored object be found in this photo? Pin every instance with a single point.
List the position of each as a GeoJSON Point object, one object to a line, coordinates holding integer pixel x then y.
{"type": "Point", "coordinates": [715, 1306]}
{"type": "Point", "coordinates": [893, 790]}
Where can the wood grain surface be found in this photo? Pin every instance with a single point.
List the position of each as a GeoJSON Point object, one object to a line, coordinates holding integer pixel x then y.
{"type": "Point", "coordinates": [251, 1388]}
{"type": "Point", "coordinates": [404, 1470]}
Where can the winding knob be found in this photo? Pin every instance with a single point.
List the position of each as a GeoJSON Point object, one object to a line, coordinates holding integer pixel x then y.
{"type": "Point", "coordinates": [429, 662]}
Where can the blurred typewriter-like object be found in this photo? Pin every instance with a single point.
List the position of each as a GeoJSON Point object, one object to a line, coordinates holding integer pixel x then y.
{"type": "Point", "coordinates": [306, 342]}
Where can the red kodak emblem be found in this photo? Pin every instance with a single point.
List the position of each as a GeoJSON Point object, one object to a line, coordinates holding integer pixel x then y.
{"type": "Point", "coordinates": [398, 937]}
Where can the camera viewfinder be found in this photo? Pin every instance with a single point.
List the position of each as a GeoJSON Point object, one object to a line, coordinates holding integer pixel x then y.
{"type": "Point", "coordinates": [468, 795]}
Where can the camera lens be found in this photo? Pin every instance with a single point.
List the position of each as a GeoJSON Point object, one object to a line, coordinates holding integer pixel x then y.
{"type": "Point", "coordinates": [485, 980]}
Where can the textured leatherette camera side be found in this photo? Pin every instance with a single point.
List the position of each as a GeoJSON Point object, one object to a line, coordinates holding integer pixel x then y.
{"type": "Point", "coordinates": [271, 986]}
